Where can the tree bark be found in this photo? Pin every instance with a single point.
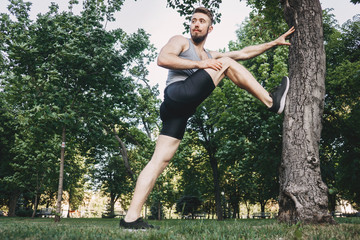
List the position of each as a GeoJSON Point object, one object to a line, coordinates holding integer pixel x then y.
{"type": "Point", "coordinates": [12, 203]}
{"type": "Point", "coordinates": [262, 206]}
{"type": "Point", "coordinates": [159, 211]}
{"type": "Point", "coordinates": [215, 171]}
{"type": "Point", "coordinates": [61, 177]}
{"type": "Point", "coordinates": [69, 209]}
{"type": "Point", "coordinates": [124, 154]}
{"type": "Point", "coordinates": [112, 204]}
{"type": "Point", "coordinates": [36, 197]}
{"type": "Point", "coordinates": [35, 205]}
{"type": "Point", "coordinates": [235, 206]}
{"type": "Point", "coordinates": [332, 202]}
{"type": "Point", "coordinates": [303, 194]}
{"type": "Point", "coordinates": [247, 205]}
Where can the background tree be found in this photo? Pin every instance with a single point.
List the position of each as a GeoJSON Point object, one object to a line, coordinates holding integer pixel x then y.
{"type": "Point", "coordinates": [339, 155]}
{"type": "Point", "coordinates": [188, 205]}
{"type": "Point", "coordinates": [65, 71]}
{"type": "Point", "coordinates": [186, 8]}
{"type": "Point", "coordinates": [9, 189]}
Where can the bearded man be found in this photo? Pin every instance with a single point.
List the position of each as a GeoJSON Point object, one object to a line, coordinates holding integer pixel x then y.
{"type": "Point", "coordinates": [193, 75]}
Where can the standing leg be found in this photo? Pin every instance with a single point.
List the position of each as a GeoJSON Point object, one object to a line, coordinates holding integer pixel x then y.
{"type": "Point", "coordinates": [165, 149]}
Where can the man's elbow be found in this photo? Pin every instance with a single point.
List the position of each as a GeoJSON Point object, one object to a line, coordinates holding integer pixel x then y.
{"type": "Point", "coordinates": [161, 62]}
{"type": "Point", "coordinates": [242, 56]}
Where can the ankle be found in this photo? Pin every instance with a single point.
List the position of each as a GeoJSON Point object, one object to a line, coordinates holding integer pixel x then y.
{"type": "Point", "coordinates": [269, 102]}
{"type": "Point", "coordinates": [129, 218]}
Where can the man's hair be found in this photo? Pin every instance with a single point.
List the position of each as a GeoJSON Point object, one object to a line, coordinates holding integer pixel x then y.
{"type": "Point", "coordinates": [205, 11]}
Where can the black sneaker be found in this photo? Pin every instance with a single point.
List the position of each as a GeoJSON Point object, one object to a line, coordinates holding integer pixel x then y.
{"type": "Point", "coordinates": [139, 224]}
{"type": "Point", "coordinates": [279, 96]}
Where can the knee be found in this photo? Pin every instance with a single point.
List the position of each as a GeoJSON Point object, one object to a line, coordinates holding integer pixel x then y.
{"type": "Point", "coordinates": [165, 163]}
{"type": "Point", "coordinates": [161, 165]}
{"type": "Point", "coordinates": [227, 62]}
{"type": "Point", "coordinates": [160, 160]}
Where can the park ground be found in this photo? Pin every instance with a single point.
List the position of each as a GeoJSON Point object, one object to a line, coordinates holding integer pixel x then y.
{"type": "Point", "coordinates": [97, 228]}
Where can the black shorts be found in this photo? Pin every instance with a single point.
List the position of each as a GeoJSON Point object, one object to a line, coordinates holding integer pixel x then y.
{"type": "Point", "coordinates": [181, 100]}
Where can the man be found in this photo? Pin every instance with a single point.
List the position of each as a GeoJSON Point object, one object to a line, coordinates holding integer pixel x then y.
{"type": "Point", "coordinates": [193, 75]}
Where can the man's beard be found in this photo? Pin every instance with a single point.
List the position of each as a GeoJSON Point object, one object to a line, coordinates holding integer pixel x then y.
{"type": "Point", "coordinates": [199, 39]}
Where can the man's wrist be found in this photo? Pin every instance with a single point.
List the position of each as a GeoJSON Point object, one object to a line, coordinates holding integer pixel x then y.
{"type": "Point", "coordinates": [273, 43]}
{"type": "Point", "coordinates": [197, 64]}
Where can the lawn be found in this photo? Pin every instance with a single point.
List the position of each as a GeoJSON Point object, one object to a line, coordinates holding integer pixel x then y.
{"type": "Point", "coordinates": [45, 228]}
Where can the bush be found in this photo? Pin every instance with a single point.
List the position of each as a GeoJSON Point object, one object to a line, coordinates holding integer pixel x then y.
{"type": "Point", "coordinates": [24, 212]}
{"type": "Point", "coordinates": [188, 205]}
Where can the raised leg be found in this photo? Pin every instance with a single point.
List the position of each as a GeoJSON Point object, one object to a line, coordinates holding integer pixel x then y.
{"type": "Point", "coordinates": [165, 149]}
{"type": "Point", "coordinates": [242, 78]}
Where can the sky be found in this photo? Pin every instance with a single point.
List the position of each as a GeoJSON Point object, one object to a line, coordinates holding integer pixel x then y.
{"type": "Point", "coordinates": [162, 23]}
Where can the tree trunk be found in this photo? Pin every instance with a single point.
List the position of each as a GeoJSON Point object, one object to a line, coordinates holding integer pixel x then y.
{"type": "Point", "coordinates": [124, 154]}
{"type": "Point", "coordinates": [303, 194]}
{"type": "Point", "coordinates": [332, 202]}
{"type": "Point", "coordinates": [159, 211]}
{"type": "Point", "coordinates": [112, 204]}
{"type": "Point", "coordinates": [36, 197]}
{"type": "Point", "coordinates": [145, 211]}
{"type": "Point", "coordinates": [235, 206]}
{"type": "Point", "coordinates": [35, 205]}
{"type": "Point", "coordinates": [12, 203]}
{"type": "Point", "coordinates": [61, 177]}
{"type": "Point", "coordinates": [262, 206]}
{"type": "Point", "coordinates": [49, 200]}
{"type": "Point", "coordinates": [69, 209]}
{"type": "Point", "coordinates": [247, 205]}
{"type": "Point", "coordinates": [215, 171]}
{"type": "Point", "coordinates": [170, 212]}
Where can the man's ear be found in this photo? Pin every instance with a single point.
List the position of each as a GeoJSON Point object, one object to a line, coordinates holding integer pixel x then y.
{"type": "Point", "coordinates": [210, 29]}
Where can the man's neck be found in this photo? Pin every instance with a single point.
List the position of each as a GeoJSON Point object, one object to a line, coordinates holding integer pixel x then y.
{"type": "Point", "coordinates": [200, 45]}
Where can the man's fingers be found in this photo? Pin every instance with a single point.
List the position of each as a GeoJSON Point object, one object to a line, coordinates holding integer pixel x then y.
{"type": "Point", "coordinates": [290, 31]}
{"type": "Point", "coordinates": [213, 64]}
{"type": "Point", "coordinates": [219, 65]}
{"type": "Point", "coordinates": [216, 65]}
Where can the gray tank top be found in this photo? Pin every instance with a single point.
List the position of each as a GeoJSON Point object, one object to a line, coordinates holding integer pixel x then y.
{"type": "Point", "coordinates": [175, 75]}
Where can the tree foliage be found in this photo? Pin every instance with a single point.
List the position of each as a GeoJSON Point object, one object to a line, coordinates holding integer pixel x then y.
{"type": "Point", "coordinates": [340, 155]}
{"type": "Point", "coordinates": [186, 8]}
{"type": "Point", "coordinates": [66, 71]}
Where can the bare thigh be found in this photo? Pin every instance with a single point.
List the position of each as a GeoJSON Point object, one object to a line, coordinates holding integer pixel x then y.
{"type": "Point", "coordinates": [217, 76]}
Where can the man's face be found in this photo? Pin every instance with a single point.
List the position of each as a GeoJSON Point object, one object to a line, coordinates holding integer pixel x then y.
{"type": "Point", "coordinates": [200, 27]}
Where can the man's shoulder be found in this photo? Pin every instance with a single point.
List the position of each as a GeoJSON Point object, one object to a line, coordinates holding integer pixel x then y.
{"type": "Point", "coordinates": [179, 38]}
{"type": "Point", "coordinates": [179, 42]}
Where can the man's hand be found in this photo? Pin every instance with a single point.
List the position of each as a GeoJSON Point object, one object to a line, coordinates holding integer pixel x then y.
{"type": "Point", "coordinates": [210, 63]}
{"type": "Point", "coordinates": [282, 39]}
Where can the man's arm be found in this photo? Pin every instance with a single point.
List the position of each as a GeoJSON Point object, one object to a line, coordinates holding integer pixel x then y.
{"type": "Point", "coordinates": [169, 56]}
{"type": "Point", "coordinates": [253, 51]}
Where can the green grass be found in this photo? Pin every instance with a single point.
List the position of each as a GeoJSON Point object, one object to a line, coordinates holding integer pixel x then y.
{"type": "Point", "coordinates": [44, 228]}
